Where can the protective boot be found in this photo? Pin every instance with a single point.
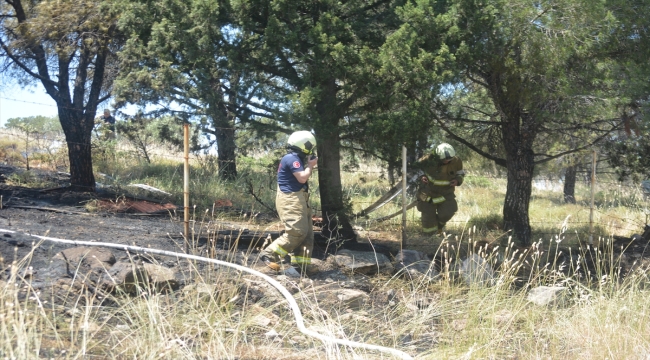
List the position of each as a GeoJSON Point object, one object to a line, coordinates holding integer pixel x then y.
{"type": "Point", "coordinates": [307, 269]}
{"type": "Point", "coordinates": [273, 261]}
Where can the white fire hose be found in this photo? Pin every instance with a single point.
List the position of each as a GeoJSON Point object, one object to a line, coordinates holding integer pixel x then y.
{"type": "Point", "coordinates": [292, 302]}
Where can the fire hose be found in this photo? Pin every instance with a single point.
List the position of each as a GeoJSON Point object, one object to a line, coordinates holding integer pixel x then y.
{"type": "Point", "coordinates": [290, 299]}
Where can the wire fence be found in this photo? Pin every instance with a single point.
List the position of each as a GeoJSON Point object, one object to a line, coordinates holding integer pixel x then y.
{"type": "Point", "coordinates": [611, 222]}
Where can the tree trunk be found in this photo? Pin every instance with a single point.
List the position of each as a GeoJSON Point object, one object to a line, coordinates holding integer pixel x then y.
{"type": "Point", "coordinates": [515, 207]}
{"type": "Point", "coordinates": [226, 152]}
{"type": "Point", "coordinates": [518, 136]}
{"type": "Point", "coordinates": [570, 184]}
{"type": "Point", "coordinates": [224, 128]}
{"type": "Point", "coordinates": [335, 220]}
{"type": "Point", "coordinates": [336, 223]}
{"type": "Point", "coordinates": [77, 129]}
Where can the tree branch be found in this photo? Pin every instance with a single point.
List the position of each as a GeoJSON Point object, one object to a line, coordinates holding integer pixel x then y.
{"type": "Point", "coordinates": [351, 147]}
{"type": "Point", "coordinates": [482, 122]}
{"type": "Point", "coordinates": [15, 59]}
{"type": "Point", "coordinates": [551, 157]}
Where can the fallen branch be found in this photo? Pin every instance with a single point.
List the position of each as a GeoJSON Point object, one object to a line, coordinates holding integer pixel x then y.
{"type": "Point", "coordinates": [251, 190]}
{"type": "Point", "coordinates": [47, 209]}
{"type": "Point", "coordinates": [384, 218]}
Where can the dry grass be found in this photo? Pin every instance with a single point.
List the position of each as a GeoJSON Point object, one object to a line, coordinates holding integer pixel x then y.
{"type": "Point", "coordinates": [604, 314]}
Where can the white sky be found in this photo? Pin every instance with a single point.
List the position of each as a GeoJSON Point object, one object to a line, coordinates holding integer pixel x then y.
{"type": "Point", "coordinates": [16, 101]}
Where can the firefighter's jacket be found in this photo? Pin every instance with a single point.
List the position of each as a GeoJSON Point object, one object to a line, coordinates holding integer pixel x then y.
{"type": "Point", "coordinates": [439, 175]}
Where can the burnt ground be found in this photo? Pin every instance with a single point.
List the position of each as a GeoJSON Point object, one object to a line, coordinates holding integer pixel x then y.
{"type": "Point", "coordinates": [107, 216]}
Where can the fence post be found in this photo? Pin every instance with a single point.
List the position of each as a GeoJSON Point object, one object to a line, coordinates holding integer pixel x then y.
{"type": "Point", "coordinates": [593, 192]}
{"type": "Point", "coordinates": [186, 187]}
{"type": "Point", "coordinates": [403, 196]}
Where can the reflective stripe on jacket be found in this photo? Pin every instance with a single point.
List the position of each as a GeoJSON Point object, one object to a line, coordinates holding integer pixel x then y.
{"type": "Point", "coordinates": [439, 176]}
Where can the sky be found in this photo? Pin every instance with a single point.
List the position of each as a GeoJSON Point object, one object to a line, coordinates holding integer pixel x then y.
{"type": "Point", "coordinates": [16, 101]}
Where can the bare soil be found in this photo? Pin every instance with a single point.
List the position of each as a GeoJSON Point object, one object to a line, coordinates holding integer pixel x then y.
{"type": "Point", "coordinates": [59, 213]}
{"type": "Point", "coordinates": [107, 216]}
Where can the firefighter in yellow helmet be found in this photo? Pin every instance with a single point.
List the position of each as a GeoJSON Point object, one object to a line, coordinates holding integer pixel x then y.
{"type": "Point", "coordinates": [292, 204]}
{"type": "Point", "coordinates": [436, 200]}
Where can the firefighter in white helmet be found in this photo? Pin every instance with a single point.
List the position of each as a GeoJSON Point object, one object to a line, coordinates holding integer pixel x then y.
{"type": "Point", "coordinates": [292, 204]}
{"type": "Point", "coordinates": [436, 200]}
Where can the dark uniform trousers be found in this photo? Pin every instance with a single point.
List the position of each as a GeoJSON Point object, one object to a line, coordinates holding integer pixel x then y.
{"type": "Point", "coordinates": [436, 199]}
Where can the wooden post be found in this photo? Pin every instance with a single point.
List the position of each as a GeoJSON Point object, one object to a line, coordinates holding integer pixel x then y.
{"type": "Point", "coordinates": [593, 192]}
{"type": "Point", "coordinates": [186, 186]}
{"type": "Point", "coordinates": [403, 197]}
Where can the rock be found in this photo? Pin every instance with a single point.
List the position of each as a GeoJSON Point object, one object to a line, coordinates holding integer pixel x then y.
{"type": "Point", "coordinates": [264, 317]}
{"type": "Point", "coordinates": [291, 272]}
{"type": "Point", "coordinates": [414, 263]}
{"type": "Point", "coordinates": [476, 271]}
{"type": "Point", "coordinates": [352, 299]}
{"type": "Point", "coordinates": [271, 334]}
{"type": "Point", "coordinates": [299, 339]}
{"type": "Point", "coordinates": [89, 256]}
{"type": "Point", "coordinates": [28, 273]}
{"type": "Point", "coordinates": [332, 295]}
{"type": "Point", "coordinates": [253, 290]}
{"type": "Point", "coordinates": [503, 317]}
{"type": "Point", "coordinates": [459, 324]}
{"type": "Point", "coordinates": [354, 317]}
{"type": "Point", "coordinates": [200, 288]}
{"type": "Point", "coordinates": [124, 276]}
{"type": "Point", "coordinates": [261, 321]}
{"type": "Point", "coordinates": [546, 295]}
{"type": "Point", "coordinates": [90, 326]}
{"type": "Point", "coordinates": [162, 278]}
{"type": "Point", "coordinates": [391, 294]}
{"type": "Point", "coordinates": [363, 262]}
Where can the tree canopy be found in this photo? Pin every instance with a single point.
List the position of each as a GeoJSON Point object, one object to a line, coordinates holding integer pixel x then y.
{"type": "Point", "coordinates": [532, 81]}
{"type": "Point", "coordinates": [518, 82]}
{"type": "Point", "coordinates": [66, 46]}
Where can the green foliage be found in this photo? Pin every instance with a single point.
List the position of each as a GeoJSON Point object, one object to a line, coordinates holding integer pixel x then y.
{"type": "Point", "coordinates": [67, 46]}
{"type": "Point", "coordinates": [520, 83]}
{"type": "Point", "coordinates": [39, 134]}
{"type": "Point", "coordinates": [480, 181]}
{"type": "Point", "coordinates": [35, 124]}
{"type": "Point", "coordinates": [630, 158]}
{"type": "Point", "coordinates": [145, 133]}
{"type": "Point", "coordinates": [186, 58]}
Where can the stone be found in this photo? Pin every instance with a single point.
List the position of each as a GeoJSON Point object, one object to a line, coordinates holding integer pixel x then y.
{"type": "Point", "coordinates": [28, 273]}
{"type": "Point", "coordinates": [415, 264]}
{"type": "Point", "coordinates": [546, 295]}
{"type": "Point", "coordinates": [261, 321]}
{"type": "Point", "coordinates": [362, 262]}
{"type": "Point", "coordinates": [124, 276]}
{"type": "Point", "coordinates": [89, 256]}
{"type": "Point", "coordinates": [162, 278]}
{"type": "Point", "coordinates": [291, 272]}
{"type": "Point", "coordinates": [263, 317]}
{"type": "Point", "coordinates": [476, 271]}
{"type": "Point", "coordinates": [200, 288]}
{"type": "Point", "coordinates": [332, 295]}
{"type": "Point", "coordinates": [351, 298]}
{"type": "Point", "coordinates": [272, 334]}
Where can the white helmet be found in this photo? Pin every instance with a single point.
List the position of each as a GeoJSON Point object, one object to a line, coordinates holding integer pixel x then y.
{"type": "Point", "coordinates": [445, 151]}
{"type": "Point", "coordinates": [302, 141]}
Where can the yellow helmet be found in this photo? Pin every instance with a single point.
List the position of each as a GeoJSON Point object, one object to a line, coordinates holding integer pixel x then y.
{"type": "Point", "coordinates": [302, 141]}
{"type": "Point", "coordinates": [445, 151]}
